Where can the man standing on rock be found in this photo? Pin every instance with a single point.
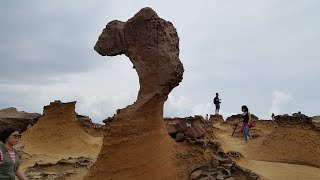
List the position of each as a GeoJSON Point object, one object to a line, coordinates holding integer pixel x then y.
{"type": "Point", "coordinates": [217, 103]}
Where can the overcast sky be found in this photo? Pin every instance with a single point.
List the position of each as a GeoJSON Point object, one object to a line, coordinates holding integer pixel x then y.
{"type": "Point", "coordinates": [265, 54]}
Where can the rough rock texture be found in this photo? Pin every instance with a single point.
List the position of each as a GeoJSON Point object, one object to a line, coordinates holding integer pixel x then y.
{"type": "Point", "coordinates": [234, 154]}
{"type": "Point", "coordinates": [136, 143]}
{"type": "Point", "coordinates": [59, 130]}
{"type": "Point", "coordinates": [238, 117]}
{"type": "Point", "coordinates": [11, 117]}
{"type": "Point", "coordinates": [94, 129]}
{"type": "Point", "coordinates": [294, 139]}
{"type": "Point", "coordinates": [192, 127]}
{"type": "Point", "coordinates": [205, 157]}
{"type": "Point", "coordinates": [222, 168]}
{"type": "Point", "coordinates": [181, 126]}
{"type": "Point", "coordinates": [293, 120]}
{"type": "Point", "coordinates": [216, 118]}
{"type": "Point", "coordinates": [182, 122]}
{"type": "Point", "coordinates": [69, 168]}
{"type": "Point", "coordinates": [57, 135]}
{"type": "Point", "coordinates": [194, 132]}
{"type": "Point", "coordinates": [172, 131]}
{"type": "Point", "coordinates": [180, 137]}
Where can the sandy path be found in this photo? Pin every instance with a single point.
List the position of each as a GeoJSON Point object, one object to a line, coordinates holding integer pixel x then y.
{"type": "Point", "coordinates": [269, 170]}
{"type": "Point", "coordinates": [274, 170]}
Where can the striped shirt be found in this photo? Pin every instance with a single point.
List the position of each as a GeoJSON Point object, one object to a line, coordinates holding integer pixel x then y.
{"type": "Point", "coordinates": [12, 155]}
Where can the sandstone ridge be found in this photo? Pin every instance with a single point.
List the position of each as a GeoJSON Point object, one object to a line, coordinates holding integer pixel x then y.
{"type": "Point", "coordinates": [57, 135]}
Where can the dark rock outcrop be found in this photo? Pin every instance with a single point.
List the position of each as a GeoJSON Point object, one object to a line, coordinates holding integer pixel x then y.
{"type": "Point", "coordinates": [172, 131]}
{"type": "Point", "coordinates": [293, 120]}
{"type": "Point", "coordinates": [11, 117]}
{"type": "Point", "coordinates": [94, 129]}
{"type": "Point", "coordinates": [194, 132]}
{"type": "Point", "coordinates": [180, 137]}
{"type": "Point", "coordinates": [238, 117]}
{"type": "Point", "coordinates": [216, 118]}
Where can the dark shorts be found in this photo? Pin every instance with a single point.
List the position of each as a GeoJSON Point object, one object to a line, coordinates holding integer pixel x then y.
{"type": "Point", "coordinates": [217, 106]}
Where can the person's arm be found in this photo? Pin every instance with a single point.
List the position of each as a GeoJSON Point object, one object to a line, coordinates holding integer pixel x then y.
{"type": "Point", "coordinates": [249, 114]}
{"type": "Point", "coordinates": [20, 175]}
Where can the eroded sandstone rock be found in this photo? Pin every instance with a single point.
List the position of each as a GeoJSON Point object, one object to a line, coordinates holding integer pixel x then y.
{"type": "Point", "coordinates": [11, 117]}
{"type": "Point", "coordinates": [238, 117]}
{"type": "Point", "coordinates": [57, 130]}
{"type": "Point", "coordinates": [215, 118]}
{"type": "Point", "coordinates": [94, 129]}
{"type": "Point", "coordinates": [136, 143]}
{"type": "Point", "coordinates": [180, 137]}
{"type": "Point", "coordinates": [63, 169]}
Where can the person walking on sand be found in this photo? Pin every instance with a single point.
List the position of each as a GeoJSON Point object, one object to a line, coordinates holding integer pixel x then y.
{"type": "Point", "coordinates": [9, 158]}
{"type": "Point", "coordinates": [245, 128]}
{"type": "Point", "coordinates": [217, 102]}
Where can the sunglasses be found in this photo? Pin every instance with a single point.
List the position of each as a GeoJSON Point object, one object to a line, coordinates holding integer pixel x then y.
{"type": "Point", "coordinates": [17, 136]}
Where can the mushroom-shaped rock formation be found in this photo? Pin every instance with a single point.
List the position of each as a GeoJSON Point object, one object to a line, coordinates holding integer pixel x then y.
{"type": "Point", "coordinates": [136, 145]}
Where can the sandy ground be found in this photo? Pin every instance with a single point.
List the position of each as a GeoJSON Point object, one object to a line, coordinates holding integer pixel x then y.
{"type": "Point", "coordinates": [275, 170]}
{"type": "Point", "coordinates": [267, 167]}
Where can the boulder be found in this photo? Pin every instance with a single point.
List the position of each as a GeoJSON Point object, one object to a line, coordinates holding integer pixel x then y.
{"type": "Point", "coordinates": [179, 137]}
{"type": "Point", "coordinates": [172, 131]}
{"type": "Point", "coordinates": [194, 132]}
{"type": "Point", "coordinates": [181, 126]}
{"type": "Point", "coordinates": [11, 117]}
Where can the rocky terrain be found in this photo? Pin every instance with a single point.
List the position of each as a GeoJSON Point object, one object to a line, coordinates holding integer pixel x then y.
{"type": "Point", "coordinates": [57, 135]}
{"type": "Point", "coordinates": [205, 158]}
{"type": "Point", "coordinates": [94, 129]}
{"type": "Point", "coordinates": [71, 168]}
{"type": "Point", "coordinates": [200, 149]}
{"type": "Point", "coordinates": [289, 142]}
{"type": "Point", "coordinates": [238, 117]}
{"type": "Point", "coordinates": [139, 143]}
{"type": "Point", "coordinates": [18, 119]}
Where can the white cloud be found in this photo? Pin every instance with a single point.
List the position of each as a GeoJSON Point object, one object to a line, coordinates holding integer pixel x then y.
{"type": "Point", "coordinates": [203, 109]}
{"type": "Point", "coordinates": [182, 106]}
{"type": "Point", "coordinates": [281, 102]}
{"type": "Point", "coordinates": [98, 93]}
{"type": "Point", "coordinates": [177, 106]}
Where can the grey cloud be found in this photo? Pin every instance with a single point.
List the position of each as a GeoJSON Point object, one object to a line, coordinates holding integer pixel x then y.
{"type": "Point", "coordinates": [41, 41]}
{"type": "Point", "coordinates": [245, 50]}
